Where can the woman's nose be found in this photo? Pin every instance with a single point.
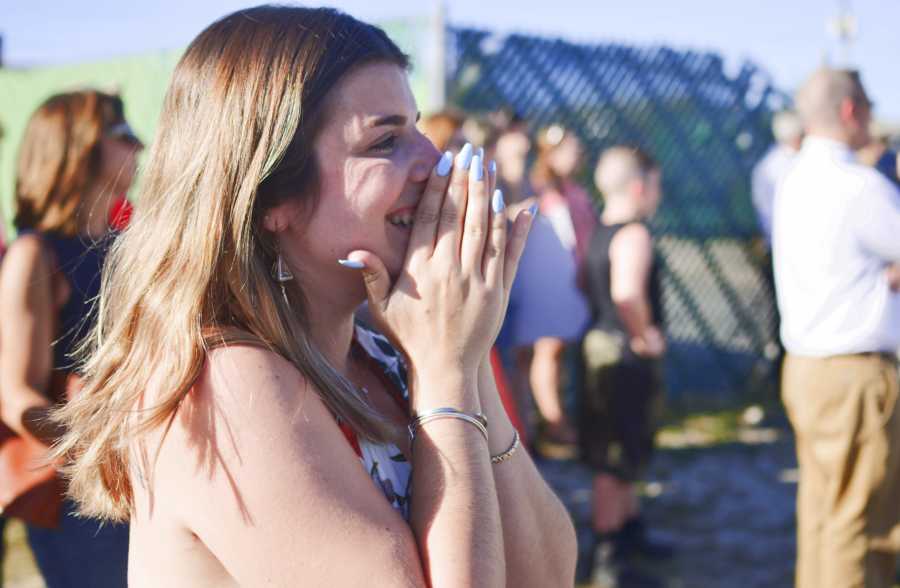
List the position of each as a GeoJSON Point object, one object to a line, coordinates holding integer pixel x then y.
{"type": "Point", "coordinates": [426, 158]}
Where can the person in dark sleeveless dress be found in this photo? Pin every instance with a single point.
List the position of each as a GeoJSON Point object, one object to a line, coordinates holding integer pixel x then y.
{"type": "Point", "coordinates": [622, 352]}
{"type": "Point", "coordinates": [76, 157]}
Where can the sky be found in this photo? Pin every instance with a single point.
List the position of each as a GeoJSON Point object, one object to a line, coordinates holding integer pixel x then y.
{"type": "Point", "coordinates": [788, 38]}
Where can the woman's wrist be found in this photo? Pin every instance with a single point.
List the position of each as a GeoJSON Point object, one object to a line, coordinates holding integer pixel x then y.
{"type": "Point", "coordinates": [500, 429]}
{"type": "Point", "coordinates": [442, 387]}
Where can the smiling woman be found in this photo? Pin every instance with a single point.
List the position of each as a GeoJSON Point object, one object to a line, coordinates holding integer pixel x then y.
{"type": "Point", "coordinates": [233, 411]}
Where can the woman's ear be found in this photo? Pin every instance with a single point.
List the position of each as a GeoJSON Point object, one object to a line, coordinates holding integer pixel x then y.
{"type": "Point", "coordinates": [279, 217]}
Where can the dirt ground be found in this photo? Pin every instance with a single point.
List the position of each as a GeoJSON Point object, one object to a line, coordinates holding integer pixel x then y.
{"type": "Point", "coordinates": [727, 505]}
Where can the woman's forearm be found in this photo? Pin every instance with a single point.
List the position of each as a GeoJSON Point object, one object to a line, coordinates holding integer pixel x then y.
{"type": "Point", "coordinates": [538, 535]}
{"type": "Point", "coordinates": [25, 411]}
{"type": "Point", "coordinates": [454, 512]}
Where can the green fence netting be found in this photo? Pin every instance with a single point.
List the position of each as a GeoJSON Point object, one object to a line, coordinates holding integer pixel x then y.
{"type": "Point", "coordinates": [707, 126]}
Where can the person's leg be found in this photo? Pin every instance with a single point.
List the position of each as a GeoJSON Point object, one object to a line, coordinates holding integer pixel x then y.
{"type": "Point", "coordinates": [545, 378]}
{"type": "Point", "coordinates": [595, 438]}
{"type": "Point", "coordinates": [637, 417]}
{"type": "Point", "coordinates": [795, 384]}
{"type": "Point", "coordinates": [610, 500]}
{"type": "Point", "coordinates": [884, 514]}
{"type": "Point", "coordinates": [81, 552]}
{"type": "Point", "coordinates": [865, 502]}
{"type": "Point", "coordinates": [843, 411]}
{"type": "Point", "coordinates": [2, 548]}
{"type": "Point", "coordinates": [102, 558]}
{"type": "Point", "coordinates": [48, 547]}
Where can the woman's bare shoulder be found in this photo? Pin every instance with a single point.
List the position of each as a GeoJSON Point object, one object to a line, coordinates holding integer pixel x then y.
{"type": "Point", "coordinates": [257, 464]}
{"type": "Point", "coordinates": [249, 387]}
{"type": "Point", "coordinates": [249, 413]}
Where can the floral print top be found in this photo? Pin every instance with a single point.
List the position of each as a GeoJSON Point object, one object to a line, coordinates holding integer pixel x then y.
{"type": "Point", "coordinates": [385, 463]}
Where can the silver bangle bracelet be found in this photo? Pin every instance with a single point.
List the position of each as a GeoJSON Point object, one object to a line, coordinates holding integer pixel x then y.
{"type": "Point", "coordinates": [501, 457]}
{"type": "Point", "coordinates": [478, 420]}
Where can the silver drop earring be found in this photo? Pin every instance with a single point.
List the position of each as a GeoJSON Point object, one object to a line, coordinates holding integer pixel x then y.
{"type": "Point", "coordinates": [280, 270]}
{"type": "Point", "coordinates": [282, 273]}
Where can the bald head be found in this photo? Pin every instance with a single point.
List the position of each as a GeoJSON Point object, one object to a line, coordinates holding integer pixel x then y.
{"type": "Point", "coordinates": [787, 127]}
{"type": "Point", "coordinates": [619, 167]}
{"type": "Point", "coordinates": [629, 180]}
{"type": "Point", "coordinates": [834, 102]}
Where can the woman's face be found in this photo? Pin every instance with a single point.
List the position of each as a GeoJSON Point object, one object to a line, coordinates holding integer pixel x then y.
{"type": "Point", "coordinates": [373, 165]}
{"type": "Point", "coordinates": [118, 162]}
{"type": "Point", "coordinates": [118, 165]}
{"type": "Point", "coordinates": [566, 156]}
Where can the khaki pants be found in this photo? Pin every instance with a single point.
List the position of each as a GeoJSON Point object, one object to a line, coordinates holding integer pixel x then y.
{"type": "Point", "coordinates": [844, 413]}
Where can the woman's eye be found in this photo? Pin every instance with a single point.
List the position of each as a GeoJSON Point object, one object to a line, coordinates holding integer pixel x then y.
{"type": "Point", "coordinates": [386, 145]}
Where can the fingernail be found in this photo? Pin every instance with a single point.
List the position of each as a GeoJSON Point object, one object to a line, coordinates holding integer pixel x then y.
{"type": "Point", "coordinates": [444, 164]}
{"type": "Point", "coordinates": [481, 153]}
{"type": "Point", "coordinates": [477, 171]}
{"type": "Point", "coordinates": [533, 209]}
{"type": "Point", "coordinates": [351, 263]}
{"type": "Point", "coordinates": [497, 202]}
{"type": "Point", "coordinates": [492, 167]}
{"type": "Point", "coordinates": [465, 156]}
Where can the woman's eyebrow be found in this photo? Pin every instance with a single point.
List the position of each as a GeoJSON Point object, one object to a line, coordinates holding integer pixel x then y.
{"type": "Point", "coordinates": [393, 120]}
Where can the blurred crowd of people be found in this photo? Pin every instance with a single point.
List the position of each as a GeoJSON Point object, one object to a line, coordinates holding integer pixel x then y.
{"type": "Point", "coordinates": [583, 338]}
{"type": "Point", "coordinates": [579, 357]}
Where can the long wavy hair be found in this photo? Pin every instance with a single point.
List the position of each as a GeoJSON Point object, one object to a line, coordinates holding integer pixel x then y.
{"type": "Point", "coordinates": [59, 158]}
{"type": "Point", "coordinates": [193, 271]}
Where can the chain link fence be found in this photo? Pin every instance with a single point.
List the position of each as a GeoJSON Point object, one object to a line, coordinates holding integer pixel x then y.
{"type": "Point", "coordinates": [707, 126]}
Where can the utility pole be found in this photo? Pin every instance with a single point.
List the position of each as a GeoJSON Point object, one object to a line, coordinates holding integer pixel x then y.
{"type": "Point", "coordinates": [845, 29]}
{"type": "Point", "coordinates": [437, 57]}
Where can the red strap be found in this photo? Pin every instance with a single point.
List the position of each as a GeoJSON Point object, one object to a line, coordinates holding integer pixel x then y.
{"type": "Point", "coordinates": [388, 384]}
{"type": "Point", "coordinates": [350, 434]}
{"type": "Point", "coordinates": [506, 397]}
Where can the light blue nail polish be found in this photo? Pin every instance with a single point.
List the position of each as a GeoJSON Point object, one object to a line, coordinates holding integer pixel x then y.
{"type": "Point", "coordinates": [480, 153]}
{"type": "Point", "coordinates": [492, 167]}
{"type": "Point", "coordinates": [444, 164]}
{"type": "Point", "coordinates": [351, 263]}
{"type": "Point", "coordinates": [533, 209]}
{"type": "Point", "coordinates": [464, 159]}
{"type": "Point", "coordinates": [477, 171]}
{"type": "Point", "coordinates": [497, 202]}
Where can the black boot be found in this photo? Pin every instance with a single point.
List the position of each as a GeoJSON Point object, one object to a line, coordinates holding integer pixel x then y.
{"type": "Point", "coordinates": [634, 541]}
{"type": "Point", "coordinates": [584, 567]}
{"type": "Point", "coordinates": [608, 569]}
{"type": "Point", "coordinates": [607, 565]}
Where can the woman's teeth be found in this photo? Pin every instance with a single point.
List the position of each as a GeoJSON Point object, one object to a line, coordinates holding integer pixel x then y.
{"type": "Point", "coordinates": [401, 220]}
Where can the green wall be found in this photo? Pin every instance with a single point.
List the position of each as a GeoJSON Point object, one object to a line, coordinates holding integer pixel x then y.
{"type": "Point", "coordinates": [141, 80]}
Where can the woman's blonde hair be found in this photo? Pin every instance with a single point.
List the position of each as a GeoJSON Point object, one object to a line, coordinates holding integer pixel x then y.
{"type": "Point", "coordinates": [193, 270]}
{"type": "Point", "coordinates": [59, 157]}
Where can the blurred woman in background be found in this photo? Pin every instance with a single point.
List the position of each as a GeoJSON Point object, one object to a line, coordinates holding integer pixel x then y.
{"type": "Point", "coordinates": [562, 199]}
{"type": "Point", "coordinates": [567, 207]}
{"type": "Point", "coordinates": [77, 156]}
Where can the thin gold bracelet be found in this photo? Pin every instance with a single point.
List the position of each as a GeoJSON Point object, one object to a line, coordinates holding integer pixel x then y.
{"type": "Point", "coordinates": [501, 457]}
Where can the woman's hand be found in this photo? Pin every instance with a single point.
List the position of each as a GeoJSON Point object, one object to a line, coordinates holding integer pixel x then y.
{"type": "Point", "coordinates": [651, 345]}
{"type": "Point", "coordinates": [445, 305]}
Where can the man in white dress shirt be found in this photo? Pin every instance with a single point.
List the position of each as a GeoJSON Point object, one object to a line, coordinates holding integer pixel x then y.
{"type": "Point", "coordinates": [788, 131]}
{"type": "Point", "coordinates": [836, 233]}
